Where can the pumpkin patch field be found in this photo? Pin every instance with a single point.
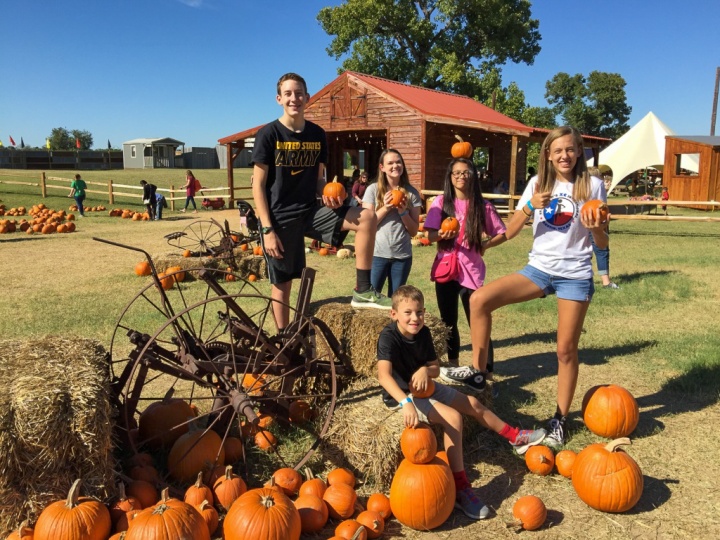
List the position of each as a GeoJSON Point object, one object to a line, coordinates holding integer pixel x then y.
{"type": "Point", "coordinates": [656, 338]}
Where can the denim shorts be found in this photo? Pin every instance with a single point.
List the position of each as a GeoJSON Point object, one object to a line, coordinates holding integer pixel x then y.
{"type": "Point", "coordinates": [581, 290]}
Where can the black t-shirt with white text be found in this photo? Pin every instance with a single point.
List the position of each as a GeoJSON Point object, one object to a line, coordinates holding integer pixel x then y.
{"type": "Point", "coordinates": [293, 160]}
{"type": "Point", "coordinates": [406, 355]}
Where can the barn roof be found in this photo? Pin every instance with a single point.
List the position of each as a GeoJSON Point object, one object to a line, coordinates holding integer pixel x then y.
{"type": "Point", "coordinates": [162, 140]}
{"type": "Point", "coordinates": [432, 105]}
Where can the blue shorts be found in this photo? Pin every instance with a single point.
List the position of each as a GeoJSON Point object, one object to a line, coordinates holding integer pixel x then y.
{"type": "Point", "coordinates": [581, 290]}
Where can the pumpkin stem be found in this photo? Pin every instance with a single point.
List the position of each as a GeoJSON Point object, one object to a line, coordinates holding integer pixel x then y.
{"type": "Point", "coordinates": [358, 532]}
{"type": "Point", "coordinates": [199, 482]}
{"type": "Point", "coordinates": [168, 395]}
{"type": "Point", "coordinates": [309, 474]}
{"type": "Point", "coordinates": [73, 494]}
{"type": "Point", "coordinates": [121, 489]}
{"type": "Point", "coordinates": [459, 138]}
{"type": "Point", "coordinates": [614, 445]}
{"type": "Point", "coordinates": [204, 504]}
{"type": "Point", "coordinates": [228, 472]}
{"type": "Point", "coordinates": [335, 178]}
{"type": "Point", "coordinates": [267, 501]}
{"type": "Point", "coordinates": [165, 495]}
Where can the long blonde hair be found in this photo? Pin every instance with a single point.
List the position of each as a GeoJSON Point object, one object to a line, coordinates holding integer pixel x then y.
{"type": "Point", "coordinates": [546, 172]}
{"type": "Point", "coordinates": [383, 186]}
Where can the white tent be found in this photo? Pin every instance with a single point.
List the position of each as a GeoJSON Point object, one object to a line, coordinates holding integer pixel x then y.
{"type": "Point", "coordinates": [642, 146]}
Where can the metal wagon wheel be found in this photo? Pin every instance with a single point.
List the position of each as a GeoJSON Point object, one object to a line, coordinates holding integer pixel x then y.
{"type": "Point", "coordinates": [201, 236]}
{"type": "Point", "coordinates": [222, 359]}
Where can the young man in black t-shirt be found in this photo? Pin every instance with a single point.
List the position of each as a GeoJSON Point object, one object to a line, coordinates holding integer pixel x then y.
{"type": "Point", "coordinates": [289, 160]}
{"type": "Point", "coordinates": [407, 361]}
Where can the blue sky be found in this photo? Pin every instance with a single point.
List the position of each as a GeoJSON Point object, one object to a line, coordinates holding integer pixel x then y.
{"type": "Point", "coordinates": [199, 70]}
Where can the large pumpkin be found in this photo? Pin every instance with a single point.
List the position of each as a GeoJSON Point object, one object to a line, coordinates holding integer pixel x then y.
{"type": "Point", "coordinates": [610, 411]}
{"type": "Point", "coordinates": [422, 497]}
{"type": "Point", "coordinates": [167, 520]}
{"type": "Point", "coordinates": [418, 444]}
{"type": "Point", "coordinates": [606, 478]}
{"type": "Point", "coordinates": [461, 149]}
{"type": "Point", "coordinates": [262, 514]}
{"type": "Point", "coordinates": [76, 518]}
{"type": "Point", "coordinates": [194, 452]}
{"type": "Point", "coordinates": [163, 422]}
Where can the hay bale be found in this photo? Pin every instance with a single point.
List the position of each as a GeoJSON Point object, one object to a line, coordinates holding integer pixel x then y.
{"type": "Point", "coordinates": [246, 262]}
{"type": "Point", "coordinates": [56, 424]}
{"type": "Point", "coordinates": [364, 435]}
{"type": "Point", "coordinates": [357, 330]}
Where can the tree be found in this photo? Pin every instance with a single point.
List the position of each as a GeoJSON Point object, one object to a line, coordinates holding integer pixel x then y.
{"type": "Point", "coordinates": [62, 139]}
{"type": "Point", "coordinates": [440, 44]}
{"type": "Point", "coordinates": [596, 105]}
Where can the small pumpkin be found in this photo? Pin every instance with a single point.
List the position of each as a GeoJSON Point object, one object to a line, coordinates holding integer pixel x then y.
{"type": "Point", "coordinates": [313, 513]}
{"type": "Point", "coordinates": [289, 480]}
{"type": "Point", "coordinates": [397, 197]}
{"type": "Point", "coordinates": [530, 512]}
{"type": "Point", "coordinates": [122, 505]}
{"type": "Point", "coordinates": [143, 491]}
{"type": "Point", "coordinates": [606, 478]}
{"type": "Point", "coordinates": [461, 149]}
{"type": "Point", "coordinates": [143, 268]}
{"type": "Point", "coordinates": [233, 450]}
{"type": "Point", "coordinates": [334, 190]}
{"type": "Point", "coordinates": [228, 488]}
{"type": "Point", "coordinates": [257, 250]}
{"type": "Point", "coordinates": [594, 208]}
{"type": "Point", "coordinates": [312, 485]}
{"type": "Point", "coordinates": [564, 462]}
{"type": "Point", "coordinates": [610, 411]}
{"type": "Point", "coordinates": [351, 529]}
{"type": "Point", "coordinates": [540, 460]}
{"type": "Point", "coordinates": [378, 502]}
{"type": "Point", "coordinates": [198, 492]}
{"type": "Point", "coordinates": [209, 515]}
{"type": "Point", "coordinates": [300, 411]}
{"type": "Point", "coordinates": [163, 422]}
{"type": "Point", "coordinates": [24, 532]}
{"type": "Point", "coordinates": [262, 514]}
{"type": "Point", "coordinates": [429, 390]}
{"type": "Point", "coordinates": [341, 499]}
{"type": "Point", "coordinates": [79, 518]}
{"type": "Point", "coordinates": [187, 253]}
{"type": "Point", "coordinates": [450, 224]}
{"type": "Point", "coordinates": [340, 475]}
{"type": "Point", "coordinates": [418, 444]}
{"type": "Point", "coordinates": [323, 252]}
{"type": "Point", "coordinates": [178, 274]}
{"type": "Point", "coordinates": [265, 440]}
{"type": "Point", "coordinates": [166, 282]}
{"type": "Point", "coordinates": [373, 522]}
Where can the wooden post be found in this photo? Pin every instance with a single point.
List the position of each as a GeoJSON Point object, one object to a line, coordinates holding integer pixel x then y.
{"type": "Point", "coordinates": [111, 197]}
{"type": "Point", "coordinates": [230, 172]}
{"type": "Point", "coordinates": [172, 197]}
{"type": "Point", "coordinates": [43, 187]}
{"type": "Point", "coordinates": [513, 172]}
{"type": "Point", "coordinates": [715, 102]}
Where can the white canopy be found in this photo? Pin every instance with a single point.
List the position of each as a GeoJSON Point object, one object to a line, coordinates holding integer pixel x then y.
{"type": "Point", "coordinates": [642, 146]}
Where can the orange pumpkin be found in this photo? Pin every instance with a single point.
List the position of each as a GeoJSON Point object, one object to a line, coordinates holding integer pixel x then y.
{"type": "Point", "coordinates": [166, 282]}
{"type": "Point", "coordinates": [300, 411]}
{"type": "Point", "coordinates": [79, 518]}
{"type": "Point", "coordinates": [422, 497]}
{"type": "Point", "coordinates": [194, 452]}
{"type": "Point", "coordinates": [594, 208]}
{"type": "Point", "coordinates": [378, 502]}
{"type": "Point", "coordinates": [265, 440]}
{"type": "Point", "coordinates": [252, 277]}
{"type": "Point", "coordinates": [429, 390]}
{"type": "Point", "coordinates": [163, 422]}
{"type": "Point", "coordinates": [351, 529]}
{"type": "Point", "coordinates": [262, 514]}
{"type": "Point", "coordinates": [341, 475]}
{"type": "Point", "coordinates": [341, 499]}
{"type": "Point", "coordinates": [122, 505]}
{"type": "Point", "coordinates": [530, 512]}
{"type": "Point", "coordinates": [312, 485]}
{"type": "Point", "coordinates": [606, 478]}
{"type": "Point", "coordinates": [198, 492]}
{"type": "Point", "coordinates": [143, 491]}
{"type": "Point", "coordinates": [228, 488]}
{"type": "Point", "coordinates": [168, 515]}
{"type": "Point", "coordinates": [323, 252]}
{"type": "Point", "coordinates": [334, 190]}
{"type": "Point", "coordinates": [178, 274]}
{"type": "Point", "coordinates": [564, 462]}
{"type": "Point", "coordinates": [540, 460]}
{"type": "Point", "coordinates": [257, 250]}
{"type": "Point", "coordinates": [418, 444]}
{"type": "Point", "coordinates": [244, 247]}
{"type": "Point", "coordinates": [209, 515]}
{"type": "Point", "coordinates": [397, 197]}
{"type": "Point", "coordinates": [450, 224]}
{"type": "Point", "coordinates": [610, 411]}
{"type": "Point", "coordinates": [373, 522]}
{"type": "Point", "coordinates": [24, 532]}
{"type": "Point", "coordinates": [187, 253]}
{"type": "Point", "coordinates": [289, 480]}
{"type": "Point", "coordinates": [313, 513]}
{"type": "Point", "coordinates": [253, 385]}
{"type": "Point", "coordinates": [233, 450]}
{"type": "Point", "coordinates": [461, 149]}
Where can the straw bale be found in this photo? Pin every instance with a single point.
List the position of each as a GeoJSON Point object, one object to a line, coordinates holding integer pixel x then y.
{"type": "Point", "coordinates": [357, 330]}
{"type": "Point", "coordinates": [364, 435]}
{"type": "Point", "coordinates": [246, 262]}
{"type": "Point", "coordinates": [56, 424]}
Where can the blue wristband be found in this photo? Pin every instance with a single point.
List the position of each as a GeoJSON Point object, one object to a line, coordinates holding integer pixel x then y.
{"type": "Point", "coordinates": [405, 212]}
{"type": "Point", "coordinates": [406, 400]}
{"type": "Point", "coordinates": [530, 206]}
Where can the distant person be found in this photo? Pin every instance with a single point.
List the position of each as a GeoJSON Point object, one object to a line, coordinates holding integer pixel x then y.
{"type": "Point", "coordinates": [160, 204]}
{"type": "Point", "coordinates": [602, 256]}
{"type": "Point", "coordinates": [191, 187]}
{"type": "Point", "coordinates": [665, 197]}
{"type": "Point", "coordinates": [149, 197]}
{"type": "Point", "coordinates": [288, 192]}
{"type": "Point", "coordinates": [77, 191]}
{"type": "Point", "coordinates": [406, 356]}
{"type": "Point", "coordinates": [358, 189]}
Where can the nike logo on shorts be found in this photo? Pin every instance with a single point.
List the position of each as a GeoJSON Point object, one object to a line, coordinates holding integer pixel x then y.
{"type": "Point", "coordinates": [293, 173]}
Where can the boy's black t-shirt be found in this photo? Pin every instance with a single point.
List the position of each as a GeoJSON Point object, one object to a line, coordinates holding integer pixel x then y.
{"type": "Point", "coordinates": [293, 160]}
{"type": "Point", "coordinates": [406, 355]}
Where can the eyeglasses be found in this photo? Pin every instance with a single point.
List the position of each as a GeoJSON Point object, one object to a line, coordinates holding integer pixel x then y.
{"type": "Point", "coordinates": [462, 174]}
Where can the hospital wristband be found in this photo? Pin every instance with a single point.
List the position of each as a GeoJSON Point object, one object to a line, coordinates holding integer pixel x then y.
{"type": "Point", "coordinates": [406, 400]}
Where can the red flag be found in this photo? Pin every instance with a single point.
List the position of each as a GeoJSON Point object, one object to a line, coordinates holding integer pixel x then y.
{"type": "Point", "coordinates": [12, 141]}
{"type": "Point", "coordinates": [77, 143]}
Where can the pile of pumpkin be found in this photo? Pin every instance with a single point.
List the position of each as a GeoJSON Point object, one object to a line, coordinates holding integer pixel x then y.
{"type": "Point", "coordinates": [603, 475]}
{"type": "Point", "coordinates": [175, 274]}
{"type": "Point", "coordinates": [44, 221]}
{"type": "Point", "coordinates": [126, 213]}
{"type": "Point", "coordinates": [13, 212]}
{"type": "Point", "coordinates": [74, 208]}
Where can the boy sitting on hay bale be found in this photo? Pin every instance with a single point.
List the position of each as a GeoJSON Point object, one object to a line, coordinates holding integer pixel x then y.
{"type": "Point", "coordinates": [406, 360]}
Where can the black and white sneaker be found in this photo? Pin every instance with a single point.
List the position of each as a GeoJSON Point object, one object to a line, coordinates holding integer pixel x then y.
{"type": "Point", "coordinates": [469, 376]}
{"type": "Point", "coordinates": [555, 439]}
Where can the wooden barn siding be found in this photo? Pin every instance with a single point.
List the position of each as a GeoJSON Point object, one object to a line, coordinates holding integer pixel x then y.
{"type": "Point", "coordinates": [704, 186]}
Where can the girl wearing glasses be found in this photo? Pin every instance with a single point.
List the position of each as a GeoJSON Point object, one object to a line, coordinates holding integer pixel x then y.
{"type": "Point", "coordinates": [398, 222]}
{"type": "Point", "coordinates": [481, 228]}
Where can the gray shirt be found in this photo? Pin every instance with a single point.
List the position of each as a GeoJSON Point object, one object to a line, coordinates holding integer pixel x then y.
{"type": "Point", "coordinates": [392, 240]}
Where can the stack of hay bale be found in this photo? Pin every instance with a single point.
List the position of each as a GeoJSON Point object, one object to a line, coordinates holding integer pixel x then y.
{"type": "Point", "coordinates": [364, 435]}
{"type": "Point", "coordinates": [246, 262]}
{"type": "Point", "coordinates": [56, 424]}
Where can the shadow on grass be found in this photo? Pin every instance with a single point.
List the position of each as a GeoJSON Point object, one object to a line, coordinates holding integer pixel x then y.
{"type": "Point", "coordinates": [665, 233]}
{"type": "Point", "coordinates": [637, 276]}
{"type": "Point", "coordinates": [655, 493]}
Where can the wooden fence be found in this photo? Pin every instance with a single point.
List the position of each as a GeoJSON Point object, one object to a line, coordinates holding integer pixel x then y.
{"type": "Point", "coordinates": [111, 190]}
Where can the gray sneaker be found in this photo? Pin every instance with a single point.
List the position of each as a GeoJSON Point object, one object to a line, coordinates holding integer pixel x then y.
{"type": "Point", "coordinates": [370, 299]}
{"type": "Point", "coordinates": [527, 438]}
{"type": "Point", "coordinates": [467, 375]}
{"type": "Point", "coordinates": [555, 439]}
{"type": "Point", "coordinates": [467, 502]}
{"type": "Point", "coordinates": [611, 285]}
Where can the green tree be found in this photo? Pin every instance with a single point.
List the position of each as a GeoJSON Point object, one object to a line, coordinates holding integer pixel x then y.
{"type": "Point", "coordinates": [596, 105]}
{"type": "Point", "coordinates": [85, 138]}
{"type": "Point", "coordinates": [440, 44]}
{"type": "Point", "coordinates": [62, 139]}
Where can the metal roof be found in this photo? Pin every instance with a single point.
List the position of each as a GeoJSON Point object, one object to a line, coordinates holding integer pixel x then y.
{"type": "Point", "coordinates": [163, 140]}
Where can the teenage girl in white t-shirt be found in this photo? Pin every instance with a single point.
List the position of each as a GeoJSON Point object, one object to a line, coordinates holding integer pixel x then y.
{"type": "Point", "coordinates": [560, 261]}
